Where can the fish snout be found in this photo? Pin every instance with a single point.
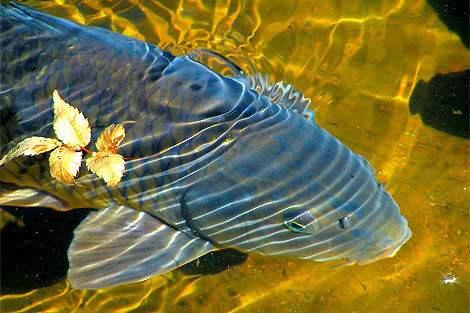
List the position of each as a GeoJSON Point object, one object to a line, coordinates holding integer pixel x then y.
{"type": "Point", "coordinates": [390, 238]}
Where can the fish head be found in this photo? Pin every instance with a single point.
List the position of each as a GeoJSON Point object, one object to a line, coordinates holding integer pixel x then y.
{"type": "Point", "coordinates": [346, 230]}
{"type": "Point", "coordinates": [306, 197]}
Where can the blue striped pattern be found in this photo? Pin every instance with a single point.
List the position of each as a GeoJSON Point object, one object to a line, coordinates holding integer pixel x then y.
{"type": "Point", "coordinates": [266, 179]}
{"type": "Point", "coordinates": [213, 157]}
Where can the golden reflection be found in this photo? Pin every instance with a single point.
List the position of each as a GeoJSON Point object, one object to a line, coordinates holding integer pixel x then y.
{"type": "Point", "coordinates": [359, 62]}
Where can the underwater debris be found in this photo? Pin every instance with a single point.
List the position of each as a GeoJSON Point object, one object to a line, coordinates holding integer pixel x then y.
{"type": "Point", "coordinates": [449, 279]}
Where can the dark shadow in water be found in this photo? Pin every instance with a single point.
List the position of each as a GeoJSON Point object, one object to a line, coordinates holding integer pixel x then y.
{"type": "Point", "coordinates": [214, 262]}
{"type": "Point", "coordinates": [35, 255]}
{"type": "Point", "coordinates": [454, 13]}
{"type": "Point", "coordinates": [443, 103]}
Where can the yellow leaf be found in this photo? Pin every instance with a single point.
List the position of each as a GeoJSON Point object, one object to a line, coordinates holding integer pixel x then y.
{"type": "Point", "coordinates": [31, 146]}
{"type": "Point", "coordinates": [107, 165]}
{"type": "Point", "coordinates": [110, 138]}
{"type": "Point", "coordinates": [65, 163]}
{"type": "Point", "coordinates": [70, 126]}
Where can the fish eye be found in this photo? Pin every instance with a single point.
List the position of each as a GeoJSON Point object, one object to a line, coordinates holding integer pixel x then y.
{"type": "Point", "coordinates": [294, 226]}
{"type": "Point", "coordinates": [304, 222]}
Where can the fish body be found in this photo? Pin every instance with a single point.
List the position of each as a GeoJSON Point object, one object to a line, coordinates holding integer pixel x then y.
{"type": "Point", "coordinates": [215, 162]}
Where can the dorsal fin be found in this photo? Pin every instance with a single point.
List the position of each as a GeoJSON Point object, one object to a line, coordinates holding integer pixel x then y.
{"type": "Point", "coordinates": [280, 93]}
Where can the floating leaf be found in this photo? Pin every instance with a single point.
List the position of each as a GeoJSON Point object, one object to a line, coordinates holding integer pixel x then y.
{"type": "Point", "coordinates": [110, 138]}
{"type": "Point", "coordinates": [31, 146]}
{"type": "Point", "coordinates": [65, 163]}
{"type": "Point", "coordinates": [106, 165]}
{"type": "Point", "coordinates": [73, 129]}
{"type": "Point", "coordinates": [70, 126]}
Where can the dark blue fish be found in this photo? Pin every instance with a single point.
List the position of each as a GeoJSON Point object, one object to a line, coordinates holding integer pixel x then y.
{"type": "Point", "coordinates": [218, 161]}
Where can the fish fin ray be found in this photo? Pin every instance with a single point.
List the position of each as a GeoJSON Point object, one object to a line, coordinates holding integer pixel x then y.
{"type": "Point", "coordinates": [120, 245]}
{"type": "Point", "coordinates": [280, 93]}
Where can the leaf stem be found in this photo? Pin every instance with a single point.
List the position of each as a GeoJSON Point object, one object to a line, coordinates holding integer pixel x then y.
{"type": "Point", "coordinates": [86, 150]}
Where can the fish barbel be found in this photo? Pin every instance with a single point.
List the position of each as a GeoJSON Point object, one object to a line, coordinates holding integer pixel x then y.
{"type": "Point", "coordinates": [217, 161]}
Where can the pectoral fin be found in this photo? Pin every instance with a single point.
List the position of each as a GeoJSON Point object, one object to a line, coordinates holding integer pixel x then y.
{"type": "Point", "coordinates": [119, 245]}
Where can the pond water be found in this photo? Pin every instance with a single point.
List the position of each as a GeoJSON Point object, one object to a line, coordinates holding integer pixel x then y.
{"type": "Point", "coordinates": [366, 66]}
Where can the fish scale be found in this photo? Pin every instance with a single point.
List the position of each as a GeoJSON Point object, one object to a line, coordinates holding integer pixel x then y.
{"type": "Point", "coordinates": [214, 163]}
{"type": "Point", "coordinates": [87, 58]}
{"type": "Point", "coordinates": [100, 105]}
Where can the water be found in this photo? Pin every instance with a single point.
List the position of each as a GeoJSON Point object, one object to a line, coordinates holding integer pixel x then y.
{"type": "Point", "coordinates": [359, 62]}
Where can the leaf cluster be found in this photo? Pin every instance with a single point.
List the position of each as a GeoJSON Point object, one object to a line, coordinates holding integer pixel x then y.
{"type": "Point", "coordinates": [73, 133]}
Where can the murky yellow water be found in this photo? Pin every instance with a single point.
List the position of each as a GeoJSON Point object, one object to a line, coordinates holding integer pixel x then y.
{"type": "Point", "coordinates": [358, 61]}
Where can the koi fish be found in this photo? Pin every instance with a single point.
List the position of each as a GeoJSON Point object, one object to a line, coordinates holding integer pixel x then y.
{"type": "Point", "coordinates": [217, 162]}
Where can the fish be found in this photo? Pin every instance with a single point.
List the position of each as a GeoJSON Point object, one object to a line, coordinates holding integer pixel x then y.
{"type": "Point", "coordinates": [215, 161]}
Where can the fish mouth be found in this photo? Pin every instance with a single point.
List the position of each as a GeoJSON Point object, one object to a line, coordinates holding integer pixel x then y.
{"type": "Point", "coordinates": [366, 257]}
{"type": "Point", "coordinates": [388, 252]}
